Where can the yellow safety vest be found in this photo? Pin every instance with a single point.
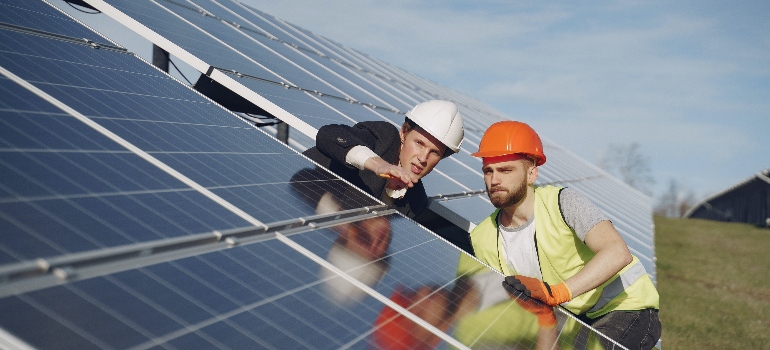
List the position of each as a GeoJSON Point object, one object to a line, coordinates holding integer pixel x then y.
{"type": "Point", "coordinates": [562, 254]}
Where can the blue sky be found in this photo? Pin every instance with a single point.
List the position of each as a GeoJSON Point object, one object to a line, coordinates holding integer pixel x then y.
{"type": "Point", "coordinates": [688, 81]}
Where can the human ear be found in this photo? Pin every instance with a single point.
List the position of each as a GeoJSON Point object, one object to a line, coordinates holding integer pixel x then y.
{"type": "Point", "coordinates": [532, 175]}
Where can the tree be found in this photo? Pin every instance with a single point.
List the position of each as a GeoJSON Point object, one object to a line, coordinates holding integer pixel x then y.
{"type": "Point", "coordinates": [675, 201]}
{"type": "Point", "coordinates": [627, 163]}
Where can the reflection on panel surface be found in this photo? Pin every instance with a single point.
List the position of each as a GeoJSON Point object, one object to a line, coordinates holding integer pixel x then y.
{"type": "Point", "coordinates": [448, 289]}
{"type": "Point", "coordinates": [257, 296]}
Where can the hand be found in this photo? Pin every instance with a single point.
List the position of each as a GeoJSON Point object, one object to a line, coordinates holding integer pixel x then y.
{"type": "Point", "coordinates": [546, 318]}
{"type": "Point", "coordinates": [533, 287]}
{"type": "Point", "coordinates": [397, 176]}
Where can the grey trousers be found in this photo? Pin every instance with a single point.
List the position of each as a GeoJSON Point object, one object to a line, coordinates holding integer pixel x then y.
{"type": "Point", "coordinates": [639, 329]}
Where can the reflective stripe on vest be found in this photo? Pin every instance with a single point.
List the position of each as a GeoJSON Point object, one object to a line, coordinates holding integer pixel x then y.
{"type": "Point", "coordinates": [620, 284]}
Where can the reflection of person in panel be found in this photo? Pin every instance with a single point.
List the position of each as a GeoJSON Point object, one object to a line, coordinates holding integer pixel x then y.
{"type": "Point", "coordinates": [478, 310]}
{"type": "Point", "coordinates": [487, 316]}
{"type": "Point", "coordinates": [360, 248]}
{"type": "Point", "coordinates": [393, 331]}
{"type": "Point", "coordinates": [388, 162]}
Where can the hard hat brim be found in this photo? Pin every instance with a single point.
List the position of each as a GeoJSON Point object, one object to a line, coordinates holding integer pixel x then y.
{"type": "Point", "coordinates": [490, 154]}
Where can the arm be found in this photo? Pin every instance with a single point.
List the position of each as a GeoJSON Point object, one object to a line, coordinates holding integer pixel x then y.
{"type": "Point", "coordinates": [336, 140]}
{"type": "Point", "coordinates": [592, 226]}
{"type": "Point", "coordinates": [612, 255]}
{"type": "Point", "coordinates": [397, 176]}
{"type": "Point", "coordinates": [370, 143]}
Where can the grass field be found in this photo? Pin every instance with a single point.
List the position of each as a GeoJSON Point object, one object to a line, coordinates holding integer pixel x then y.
{"type": "Point", "coordinates": [714, 284]}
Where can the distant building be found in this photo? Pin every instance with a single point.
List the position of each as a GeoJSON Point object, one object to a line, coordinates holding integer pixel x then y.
{"type": "Point", "coordinates": [748, 201]}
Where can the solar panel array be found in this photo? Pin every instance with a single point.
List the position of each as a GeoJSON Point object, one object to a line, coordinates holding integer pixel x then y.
{"type": "Point", "coordinates": [135, 213]}
{"type": "Point", "coordinates": [308, 81]}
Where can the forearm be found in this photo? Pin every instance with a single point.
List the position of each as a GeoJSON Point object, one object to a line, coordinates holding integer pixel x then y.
{"type": "Point", "coordinates": [336, 140]}
{"type": "Point", "coordinates": [605, 264]}
{"type": "Point", "coordinates": [375, 163]}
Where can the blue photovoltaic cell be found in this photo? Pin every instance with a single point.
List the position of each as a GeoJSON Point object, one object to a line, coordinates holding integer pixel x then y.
{"type": "Point", "coordinates": [39, 16]}
{"type": "Point", "coordinates": [312, 110]}
{"type": "Point", "coordinates": [66, 188]}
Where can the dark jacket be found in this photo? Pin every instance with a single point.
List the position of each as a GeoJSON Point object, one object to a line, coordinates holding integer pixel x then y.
{"type": "Point", "coordinates": [333, 143]}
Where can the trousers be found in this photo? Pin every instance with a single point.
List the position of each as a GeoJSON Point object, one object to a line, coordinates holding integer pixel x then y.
{"type": "Point", "coordinates": [639, 329]}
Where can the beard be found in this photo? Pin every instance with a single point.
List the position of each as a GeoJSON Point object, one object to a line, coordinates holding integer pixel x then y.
{"type": "Point", "coordinates": [509, 197]}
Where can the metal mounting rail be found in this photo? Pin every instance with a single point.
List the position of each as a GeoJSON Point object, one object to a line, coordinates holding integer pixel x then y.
{"type": "Point", "coordinates": [69, 39]}
{"type": "Point", "coordinates": [464, 194]}
{"type": "Point", "coordinates": [292, 86]}
{"type": "Point", "coordinates": [42, 273]}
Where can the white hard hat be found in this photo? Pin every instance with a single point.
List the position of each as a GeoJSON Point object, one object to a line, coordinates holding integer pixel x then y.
{"type": "Point", "coordinates": [440, 119]}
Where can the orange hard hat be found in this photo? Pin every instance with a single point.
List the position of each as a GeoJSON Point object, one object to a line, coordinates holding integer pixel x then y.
{"type": "Point", "coordinates": [510, 137]}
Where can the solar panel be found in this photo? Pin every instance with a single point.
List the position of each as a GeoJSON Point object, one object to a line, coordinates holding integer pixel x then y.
{"type": "Point", "coordinates": [137, 214]}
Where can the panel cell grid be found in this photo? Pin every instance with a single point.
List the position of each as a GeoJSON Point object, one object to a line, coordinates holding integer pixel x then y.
{"type": "Point", "coordinates": [31, 15]}
{"type": "Point", "coordinates": [258, 296]}
{"type": "Point", "coordinates": [66, 188]}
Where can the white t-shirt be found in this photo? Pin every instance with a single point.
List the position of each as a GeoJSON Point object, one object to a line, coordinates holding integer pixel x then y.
{"type": "Point", "coordinates": [520, 252]}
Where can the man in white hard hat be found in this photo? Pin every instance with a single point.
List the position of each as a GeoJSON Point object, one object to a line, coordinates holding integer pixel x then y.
{"type": "Point", "coordinates": [389, 162]}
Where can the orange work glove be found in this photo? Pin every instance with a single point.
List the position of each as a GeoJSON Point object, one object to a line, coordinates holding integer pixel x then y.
{"type": "Point", "coordinates": [546, 318]}
{"type": "Point", "coordinates": [535, 288]}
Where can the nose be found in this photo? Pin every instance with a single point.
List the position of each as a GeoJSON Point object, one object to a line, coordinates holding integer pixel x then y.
{"type": "Point", "coordinates": [422, 156]}
{"type": "Point", "coordinates": [493, 178]}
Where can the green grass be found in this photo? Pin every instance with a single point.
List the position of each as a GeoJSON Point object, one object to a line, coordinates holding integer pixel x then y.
{"type": "Point", "coordinates": [714, 284]}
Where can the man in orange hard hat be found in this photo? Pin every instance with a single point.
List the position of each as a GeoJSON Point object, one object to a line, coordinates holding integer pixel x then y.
{"type": "Point", "coordinates": [555, 246]}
